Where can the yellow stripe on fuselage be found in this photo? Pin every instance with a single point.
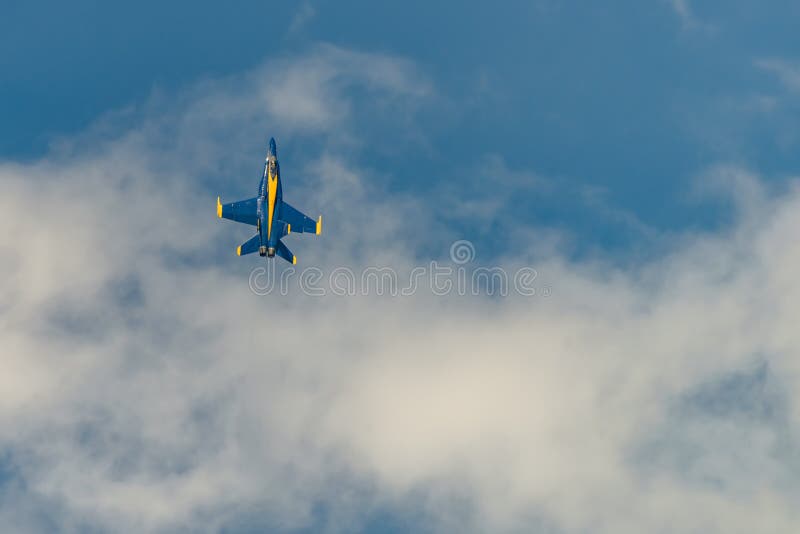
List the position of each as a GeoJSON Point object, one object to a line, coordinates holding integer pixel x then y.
{"type": "Point", "coordinates": [272, 191]}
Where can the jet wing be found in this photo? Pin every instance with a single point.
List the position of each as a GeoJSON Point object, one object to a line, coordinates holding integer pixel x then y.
{"type": "Point", "coordinates": [300, 223]}
{"type": "Point", "coordinates": [244, 211]}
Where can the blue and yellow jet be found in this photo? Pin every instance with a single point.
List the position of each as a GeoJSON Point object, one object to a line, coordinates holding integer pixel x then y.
{"type": "Point", "coordinates": [272, 217]}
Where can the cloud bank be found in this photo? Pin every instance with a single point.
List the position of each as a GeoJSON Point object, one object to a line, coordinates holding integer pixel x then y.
{"type": "Point", "coordinates": [145, 387]}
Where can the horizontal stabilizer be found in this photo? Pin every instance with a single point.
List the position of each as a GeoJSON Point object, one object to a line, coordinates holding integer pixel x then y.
{"type": "Point", "coordinates": [284, 252]}
{"type": "Point", "coordinates": [249, 246]}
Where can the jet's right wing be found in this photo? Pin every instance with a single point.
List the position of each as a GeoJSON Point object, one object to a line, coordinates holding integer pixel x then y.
{"type": "Point", "coordinates": [244, 211]}
{"type": "Point", "coordinates": [298, 220]}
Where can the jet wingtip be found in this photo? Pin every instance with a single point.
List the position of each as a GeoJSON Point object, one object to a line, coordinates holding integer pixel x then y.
{"type": "Point", "coordinates": [294, 260]}
{"type": "Point", "coordinates": [319, 225]}
{"type": "Point", "coordinates": [219, 208]}
{"type": "Point", "coordinates": [239, 250]}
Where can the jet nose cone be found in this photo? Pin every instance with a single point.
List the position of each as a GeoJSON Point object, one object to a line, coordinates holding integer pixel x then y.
{"type": "Point", "coordinates": [273, 150]}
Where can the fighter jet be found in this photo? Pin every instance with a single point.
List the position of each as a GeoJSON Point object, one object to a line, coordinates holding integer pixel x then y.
{"type": "Point", "coordinates": [272, 217]}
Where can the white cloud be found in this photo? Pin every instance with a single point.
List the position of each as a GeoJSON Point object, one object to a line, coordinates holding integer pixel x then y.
{"type": "Point", "coordinates": [146, 388]}
{"type": "Point", "coordinates": [788, 72]}
{"type": "Point", "coordinates": [304, 15]}
{"type": "Point", "coordinates": [689, 19]}
{"type": "Point", "coordinates": [683, 10]}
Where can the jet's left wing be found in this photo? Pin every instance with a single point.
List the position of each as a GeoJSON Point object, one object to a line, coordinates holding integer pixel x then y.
{"type": "Point", "coordinates": [299, 222]}
{"type": "Point", "coordinates": [244, 211]}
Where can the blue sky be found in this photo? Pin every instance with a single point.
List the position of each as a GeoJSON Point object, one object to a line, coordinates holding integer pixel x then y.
{"type": "Point", "coordinates": [631, 101]}
{"type": "Point", "coordinates": [642, 157]}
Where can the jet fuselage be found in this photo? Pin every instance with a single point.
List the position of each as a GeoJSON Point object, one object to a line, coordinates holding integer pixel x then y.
{"type": "Point", "coordinates": [269, 197]}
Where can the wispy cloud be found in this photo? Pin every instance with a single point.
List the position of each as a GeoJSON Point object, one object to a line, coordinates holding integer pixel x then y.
{"type": "Point", "coordinates": [305, 13]}
{"type": "Point", "coordinates": [144, 387]}
{"type": "Point", "coordinates": [683, 10]}
{"type": "Point", "coordinates": [689, 19]}
{"type": "Point", "coordinates": [788, 72]}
